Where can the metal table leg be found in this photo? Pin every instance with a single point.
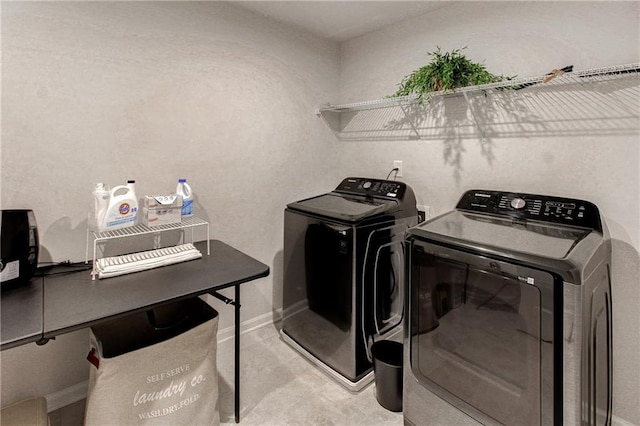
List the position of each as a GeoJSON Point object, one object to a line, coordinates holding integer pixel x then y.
{"type": "Point", "coordinates": [237, 354]}
{"type": "Point", "coordinates": [236, 387]}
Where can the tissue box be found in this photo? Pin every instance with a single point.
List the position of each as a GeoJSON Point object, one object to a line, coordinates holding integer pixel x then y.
{"type": "Point", "coordinates": [162, 210]}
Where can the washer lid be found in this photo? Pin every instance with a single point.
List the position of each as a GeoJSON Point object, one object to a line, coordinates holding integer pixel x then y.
{"type": "Point", "coordinates": [344, 208]}
{"type": "Point", "coordinates": [501, 235]}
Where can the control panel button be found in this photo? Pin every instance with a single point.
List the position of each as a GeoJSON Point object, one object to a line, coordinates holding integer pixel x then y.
{"type": "Point", "coordinates": [366, 185]}
{"type": "Point", "coordinates": [518, 203]}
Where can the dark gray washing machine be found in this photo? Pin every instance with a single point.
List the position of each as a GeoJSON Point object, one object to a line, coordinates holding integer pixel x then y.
{"type": "Point", "coordinates": [344, 274]}
{"type": "Point", "coordinates": [510, 314]}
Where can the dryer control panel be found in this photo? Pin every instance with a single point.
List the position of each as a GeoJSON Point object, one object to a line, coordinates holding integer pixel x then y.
{"type": "Point", "coordinates": [372, 187]}
{"type": "Point", "coordinates": [565, 211]}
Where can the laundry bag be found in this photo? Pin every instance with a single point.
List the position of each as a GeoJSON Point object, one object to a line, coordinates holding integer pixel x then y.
{"type": "Point", "coordinates": [155, 368]}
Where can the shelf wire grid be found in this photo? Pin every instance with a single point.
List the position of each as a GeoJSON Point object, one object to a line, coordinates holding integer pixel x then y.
{"type": "Point", "coordinates": [141, 229]}
{"type": "Point", "coordinates": [590, 102]}
{"type": "Point", "coordinates": [190, 222]}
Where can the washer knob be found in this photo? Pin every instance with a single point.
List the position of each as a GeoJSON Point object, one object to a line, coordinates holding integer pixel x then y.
{"type": "Point", "coordinates": [518, 203]}
{"type": "Point", "coordinates": [366, 185]}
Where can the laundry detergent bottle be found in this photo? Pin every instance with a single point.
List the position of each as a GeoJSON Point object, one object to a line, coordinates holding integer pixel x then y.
{"type": "Point", "coordinates": [184, 189]}
{"type": "Point", "coordinates": [123, 207]}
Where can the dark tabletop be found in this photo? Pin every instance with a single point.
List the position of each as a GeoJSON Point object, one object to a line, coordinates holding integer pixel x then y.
{"type": "Point", "coordinates": [75, 301]}
{"type": "Point", "coordinates": [21, 311]}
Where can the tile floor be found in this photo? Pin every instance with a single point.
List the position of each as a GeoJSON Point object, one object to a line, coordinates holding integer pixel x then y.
{"type": "Point", "coordinates": [278, 387]}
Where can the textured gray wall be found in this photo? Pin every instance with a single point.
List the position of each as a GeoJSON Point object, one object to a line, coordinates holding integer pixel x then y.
{"type": "Point", "coordinates": [525, 39]}
{"type": "Point", "coordinates": [153, 91]}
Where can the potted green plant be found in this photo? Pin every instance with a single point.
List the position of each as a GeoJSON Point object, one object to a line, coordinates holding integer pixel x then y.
{"type": "Point", "coordinates": [446, 71]}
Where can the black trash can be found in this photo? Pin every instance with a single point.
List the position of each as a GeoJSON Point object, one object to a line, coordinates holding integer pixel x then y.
{"type": "Point", "coordinates": [387, 367]}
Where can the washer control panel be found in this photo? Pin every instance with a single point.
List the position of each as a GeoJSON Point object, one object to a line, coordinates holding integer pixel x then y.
{"type": "Point", "coordinates": [558, 210]}
{"type": "Point", "coordinates": [372, 187]}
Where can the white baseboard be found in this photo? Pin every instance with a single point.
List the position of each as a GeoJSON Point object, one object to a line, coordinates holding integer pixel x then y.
{"type": "Point", "coordinates": [617, 421]}
{"type": "Point", "coordinates": [67, 396]}
{"type": "Point", "coordinates": [250, 325]}
{"type": "Point", "coordinates": [78, 391]}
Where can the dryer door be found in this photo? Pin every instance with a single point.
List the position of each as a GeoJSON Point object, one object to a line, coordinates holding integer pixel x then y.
{"type": "Point", "coordinates": [482, 335]}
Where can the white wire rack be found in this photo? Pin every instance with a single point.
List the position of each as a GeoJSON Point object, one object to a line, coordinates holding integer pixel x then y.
{"type": "Point", "coordinates": [188, 223]}
{"type": "Point", "coordinates": [589, 102]}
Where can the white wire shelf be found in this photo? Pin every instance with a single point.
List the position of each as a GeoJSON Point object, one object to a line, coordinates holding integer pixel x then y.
{"type": "Point", "coordinates": [595, 101]}
{"type": "Point", "coordinates": [141, 230]}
